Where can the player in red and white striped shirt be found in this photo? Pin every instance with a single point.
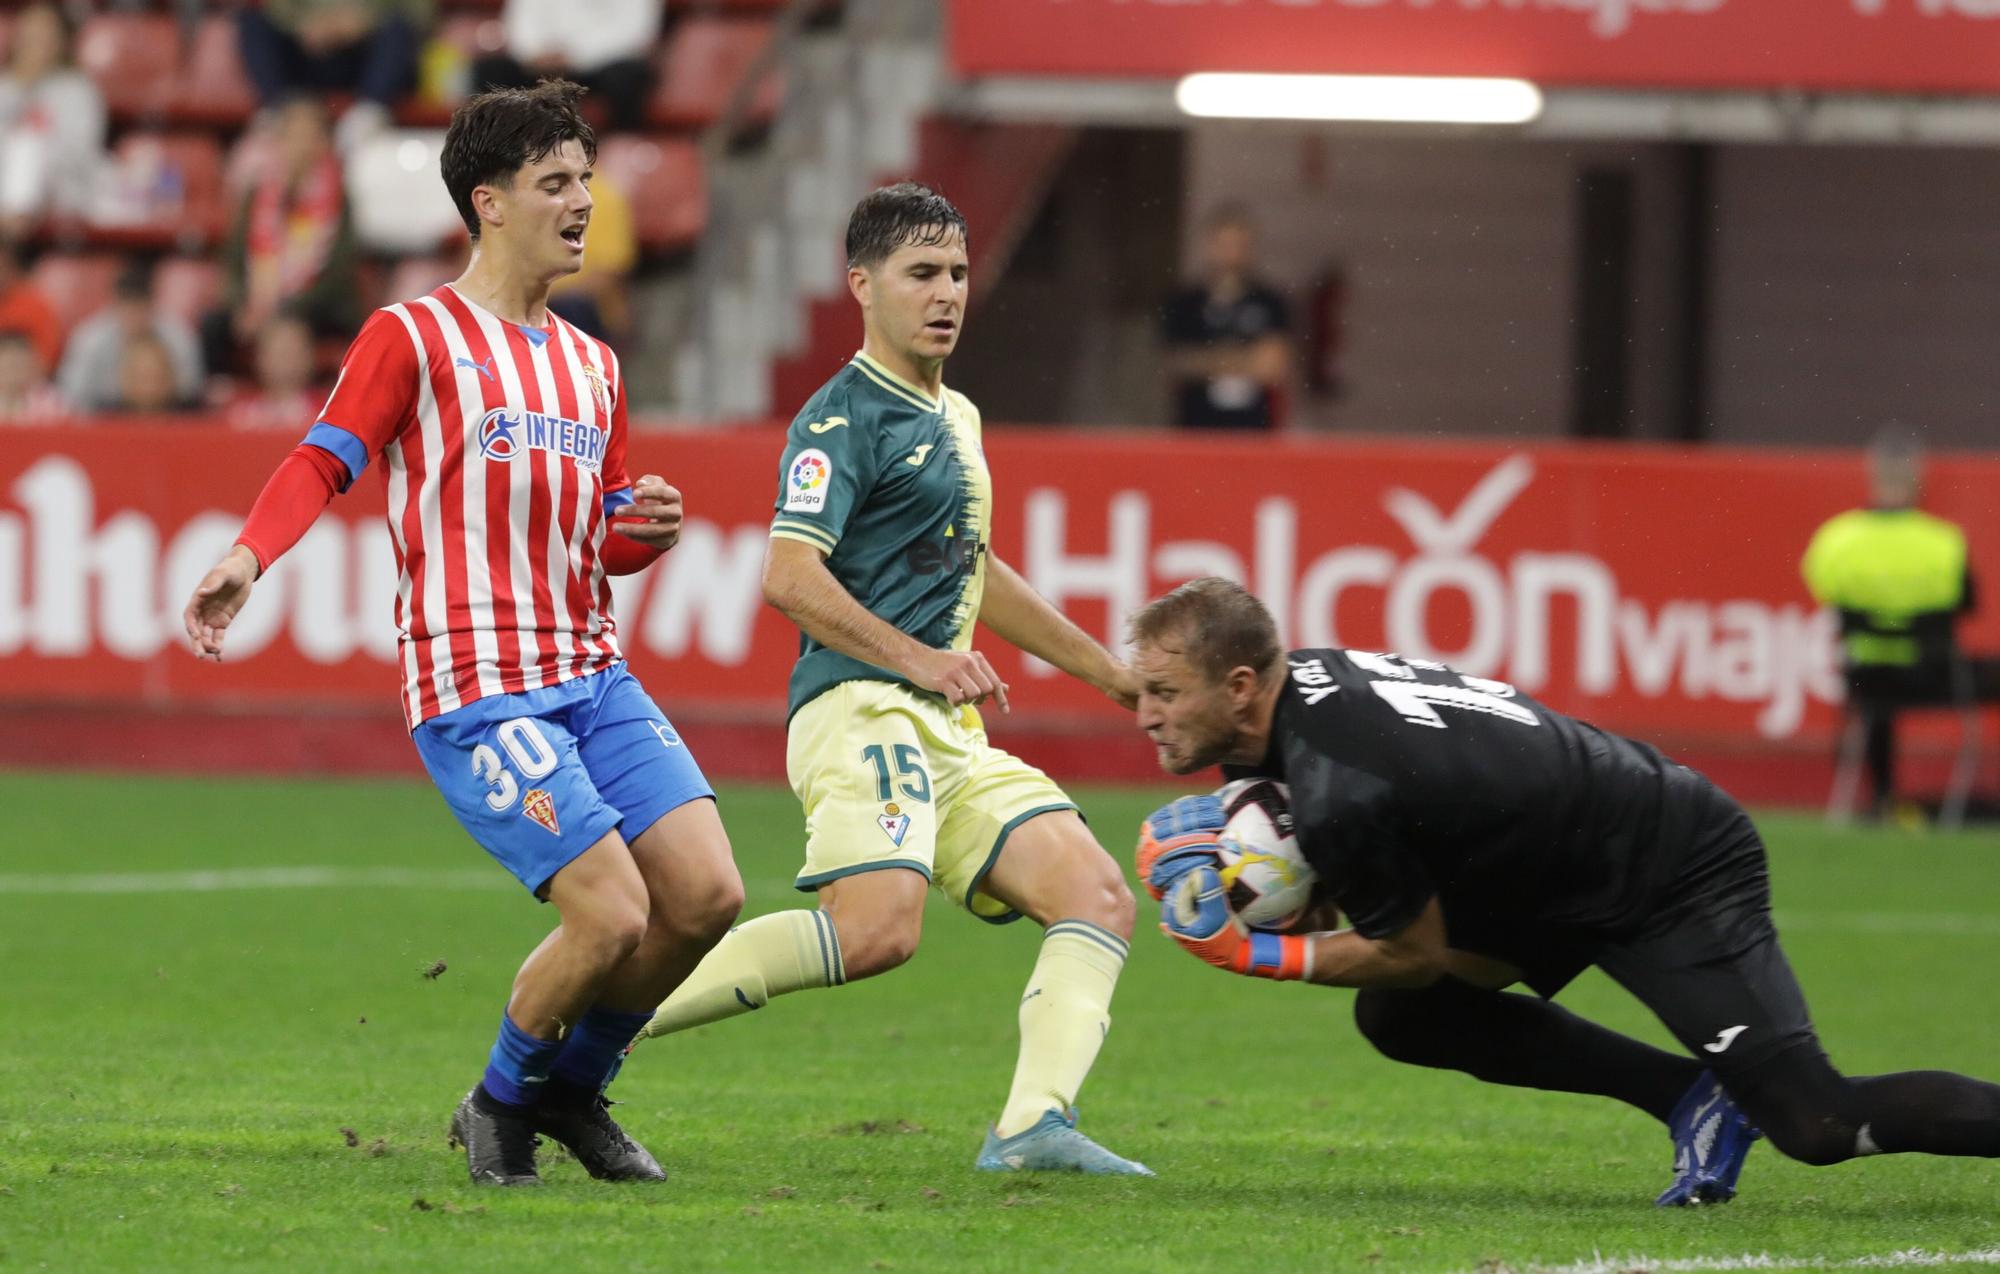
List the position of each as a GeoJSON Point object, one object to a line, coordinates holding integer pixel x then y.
{"type": "Point", "coordinates": [499, 431]}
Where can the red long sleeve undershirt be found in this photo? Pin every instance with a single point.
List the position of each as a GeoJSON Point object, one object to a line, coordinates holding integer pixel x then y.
{"type": "Point", "coordinates": [307, 480]}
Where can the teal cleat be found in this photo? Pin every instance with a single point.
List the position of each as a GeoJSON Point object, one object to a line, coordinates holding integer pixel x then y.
{"type": "Point", "coordinates": [1053, 1145]}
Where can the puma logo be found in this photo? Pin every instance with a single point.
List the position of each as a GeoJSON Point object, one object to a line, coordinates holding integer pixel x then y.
{"type": "Point", "coordinates": [917, 457]}
{"type": "Point", "coordinates": [828, 425]}
{"type": "Point", "coordinates": [1722, 1042]}
{"type": "Point", "coordinates": [484, 369]}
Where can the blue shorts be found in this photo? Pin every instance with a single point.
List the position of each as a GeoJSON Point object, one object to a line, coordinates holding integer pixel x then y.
{"type": "Point", "coordinates": [539, 777]}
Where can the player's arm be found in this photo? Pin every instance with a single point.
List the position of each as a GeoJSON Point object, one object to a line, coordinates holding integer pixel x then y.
{"type": "Point", "coordinates": [1012, 608]}
{"type": "Point", "coordinates": [1414, 956]}
{"type": "Point", "coordinates": [797, 583]}
{"type": "Point", "coordinates": [644, 516]}
{"type": "Point", "coordinates": [371, 401]}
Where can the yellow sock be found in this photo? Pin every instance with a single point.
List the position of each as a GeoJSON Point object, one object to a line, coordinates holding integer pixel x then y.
{"type": "Point", "coordinates": [771, 955]}
{"type": "Point", "coordinates": [1065, 1015]}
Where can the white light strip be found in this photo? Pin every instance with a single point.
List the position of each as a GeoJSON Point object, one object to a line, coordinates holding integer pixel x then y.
{"type": "Point", "coordinates": [1404, 99]}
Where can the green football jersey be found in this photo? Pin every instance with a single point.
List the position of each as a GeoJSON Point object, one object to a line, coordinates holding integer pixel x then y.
{"type": "Point", "coordinates": [891, 485]}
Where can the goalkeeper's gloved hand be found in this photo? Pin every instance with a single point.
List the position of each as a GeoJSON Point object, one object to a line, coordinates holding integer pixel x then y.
{"type": "Point", "coordinates": [1176, 838]}
{"type": "Point", "coordinates": [1196, 914]}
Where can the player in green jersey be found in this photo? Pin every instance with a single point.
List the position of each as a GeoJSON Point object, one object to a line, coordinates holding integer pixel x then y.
{"type": "Point", "coordinates": [880, 554]}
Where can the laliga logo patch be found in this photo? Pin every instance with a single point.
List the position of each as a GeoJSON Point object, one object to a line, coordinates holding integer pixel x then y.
{"type": "Point", "coordinates": [894, 822]}
{"type": "Point", "coordinates": [806, 481]}
{"type": "Point", "coordinates": [499, 434]}
{"type": "Point", "coordinates": [540, 806]}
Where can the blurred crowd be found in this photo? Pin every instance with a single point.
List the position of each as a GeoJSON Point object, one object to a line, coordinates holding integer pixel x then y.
{"type": "Point", "coordinates": [199, 202]}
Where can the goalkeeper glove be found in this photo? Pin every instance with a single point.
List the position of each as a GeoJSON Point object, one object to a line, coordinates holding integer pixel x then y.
{"type": "Point", "coordinates": [1177, 838]}
{"type": "Point", "coordinates": [1197, 915]}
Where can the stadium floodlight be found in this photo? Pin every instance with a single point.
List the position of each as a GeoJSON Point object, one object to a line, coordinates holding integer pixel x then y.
{"type": "Point", "coordinates": [1398, 99]}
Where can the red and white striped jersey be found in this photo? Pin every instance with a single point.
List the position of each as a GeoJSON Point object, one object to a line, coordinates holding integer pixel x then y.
{"type": "Point", "coordinates": [503, 452]}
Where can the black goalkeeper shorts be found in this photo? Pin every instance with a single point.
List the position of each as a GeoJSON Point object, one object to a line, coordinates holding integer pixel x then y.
{"type": "Point", "coordinates": [1708, 962]}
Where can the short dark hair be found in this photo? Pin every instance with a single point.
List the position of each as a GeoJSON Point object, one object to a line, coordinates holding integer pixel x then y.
{"type": "Point", "coordinates": [492, 136]}
{"type": "Point", "coordinates": [907, 214]}
{"type": "Point", "coordinates": [1215, 624]}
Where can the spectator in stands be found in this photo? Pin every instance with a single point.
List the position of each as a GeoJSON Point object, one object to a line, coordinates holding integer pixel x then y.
{"type": "Point", "coordinates": [284, 396]}
{"type": "Point", "coordinates": [364, 47]}
{"type": "Point", "coordinates": [26, 397]}
{"type": "Point", "coordinates": [51, 124]}
{"type": "Point", "coordinates": [1228, 349]}
{"type": "Point", "coordinates": [90, 367]}
{"type": "Point", "coordinates": [292, 246]}
{"type": "Point", "coordinates": [24, 309]}
{"type": "Point", "coordinates": [595, 298]}
{"type": "Point", "coordinates": [1900, 580]}
{"type": "Point", "coordinates": [604, 45]}
{"type": "Point", "coordinates": [146, 378]}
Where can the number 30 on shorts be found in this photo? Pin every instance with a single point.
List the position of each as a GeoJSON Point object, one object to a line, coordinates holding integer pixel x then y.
{"type": "Point", "coordinates": [525, 746]}
{"type": "Point", "coordinates": [909, 764]}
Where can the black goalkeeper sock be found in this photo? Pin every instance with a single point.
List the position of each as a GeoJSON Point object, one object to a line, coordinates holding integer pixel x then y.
{"type": "Point", "coordinates": [1936, 1112]}
{"type": "Point", "coordinates": [1816, 1115]}
{"type": "Point", "coordinates": [1522, 1041]}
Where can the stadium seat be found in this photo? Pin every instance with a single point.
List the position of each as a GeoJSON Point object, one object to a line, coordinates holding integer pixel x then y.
{"type": "Point", "coordinates": [212, 88]}
{"type": "Point", "coordinates": [187, 287]}
{"type": "Point", "coordinates": [134, 58]}
{"type": "Point", "coordinates": [700, 65]}
{"type": "Point", "coordinates": [143, 163]}
{"type": "Point", "coordinates": [76, 286]}
{"type": "Point", "coordinates": [664, 182]}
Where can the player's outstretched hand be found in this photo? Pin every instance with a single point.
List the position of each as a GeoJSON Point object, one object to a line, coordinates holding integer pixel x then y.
{"type": "Point", "coordinates": [1175, 839]}
{"type": "Point", "coordinates": [654, 516]}
{"type": "Point", "coordinates": [961, 676]}
{"type": "Point", "coordinates": [1197, 915]}
{"type": "Point", "coordinates": [216, 600]}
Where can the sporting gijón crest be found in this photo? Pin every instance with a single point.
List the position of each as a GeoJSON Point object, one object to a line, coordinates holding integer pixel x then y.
{"type": "Point", "coordinates": [537, 804]}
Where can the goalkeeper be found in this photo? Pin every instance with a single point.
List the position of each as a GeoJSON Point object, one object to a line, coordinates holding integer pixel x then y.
{"type": "Point", "coordinates": [1474, 838]}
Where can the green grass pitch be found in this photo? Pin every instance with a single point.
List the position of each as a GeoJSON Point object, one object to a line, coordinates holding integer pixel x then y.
{"type": "Point", "coordinates": [260, 1076]}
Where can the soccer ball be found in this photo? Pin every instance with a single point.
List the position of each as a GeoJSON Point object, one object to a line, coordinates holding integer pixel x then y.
{"type": "Point", "coordinates": [1268, 879]}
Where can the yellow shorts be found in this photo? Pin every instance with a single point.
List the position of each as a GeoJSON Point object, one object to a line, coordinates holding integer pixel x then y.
{"type": "Point", "coordinates": [893, 777]}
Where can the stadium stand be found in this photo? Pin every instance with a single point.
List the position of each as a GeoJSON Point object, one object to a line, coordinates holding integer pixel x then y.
{"type": "Point", "coordinates": [186, 138]}
{"type": "Point", "coordinates": [135, 60]}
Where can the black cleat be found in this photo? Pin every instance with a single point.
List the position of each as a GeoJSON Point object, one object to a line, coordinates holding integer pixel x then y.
{"type": "Point", "coordinates": [581, 1121]}
{"type": "Point", "coordinates": [499, 1143]}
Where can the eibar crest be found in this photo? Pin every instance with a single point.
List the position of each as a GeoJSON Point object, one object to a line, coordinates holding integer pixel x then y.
{"type": "Point", "coordinates": [540, 806]}
{"type": "Point", "coordinates": [895, 823]}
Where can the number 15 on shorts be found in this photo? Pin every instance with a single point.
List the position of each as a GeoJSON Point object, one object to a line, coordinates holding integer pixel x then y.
{"type": "Point", "coordinates": [910, 778]}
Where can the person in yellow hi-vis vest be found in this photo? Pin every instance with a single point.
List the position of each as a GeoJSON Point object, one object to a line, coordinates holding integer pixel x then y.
{"type": "Point", "coordinates": [1900, 579]}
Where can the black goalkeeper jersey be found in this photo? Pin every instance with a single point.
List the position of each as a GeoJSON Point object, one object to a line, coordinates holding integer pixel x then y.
{"type": "Point", "coordinates": [1541, 835]}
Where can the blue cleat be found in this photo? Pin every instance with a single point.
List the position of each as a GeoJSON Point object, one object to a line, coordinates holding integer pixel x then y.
{"type": "Point", "coordinates": [1711, 1140]}
{"type": "Point", "coordinates": [1053, 1145]}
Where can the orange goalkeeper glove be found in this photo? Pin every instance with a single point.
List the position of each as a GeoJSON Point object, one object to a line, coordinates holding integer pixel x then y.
{"type": "Point", "coordinates": [1196, 914]}
{"type": "Point", "coordinates": [1175, 839]}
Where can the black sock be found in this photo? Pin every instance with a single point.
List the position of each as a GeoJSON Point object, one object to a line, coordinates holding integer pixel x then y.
{"type": "Point", "coordinates": [1522, 1041]}
{"type": "Point", "coordinates": [1814, 1114]}
{"type": "Point", "coordinates": [1935, 1112]}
